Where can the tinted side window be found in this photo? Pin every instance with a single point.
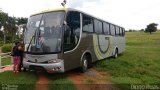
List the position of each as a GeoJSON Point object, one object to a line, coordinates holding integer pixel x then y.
{"type": "Point", "coordinates": [117, 30]}
{"type": "Point", "coordinates": [87, 24]}
{"type": "Point", "coordinates": [123, 31]}
{"type": "Point", "coordinates": [72, 32]}
{"type": "Point", "coordinates": [112, 29]}
{"type": "Point", "coordinates": [120, 31]}
{"type": "Point", "coordinates": [97, 26]}
{"type": "Point", "coordinates": [106, 28]}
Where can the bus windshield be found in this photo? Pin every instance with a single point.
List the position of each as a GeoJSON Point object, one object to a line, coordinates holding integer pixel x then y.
{"type": "Point", "coordinates": [44, 33]}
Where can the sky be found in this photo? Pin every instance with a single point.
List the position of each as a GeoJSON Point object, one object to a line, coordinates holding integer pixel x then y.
{"type": "Point", "coordinates": [131, 14]}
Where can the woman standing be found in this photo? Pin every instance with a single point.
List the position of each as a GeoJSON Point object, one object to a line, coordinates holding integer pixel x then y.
{"type": "Point", "coordinates": [21, 48]}
{"type": "Point", "coordinates": [16, 56]}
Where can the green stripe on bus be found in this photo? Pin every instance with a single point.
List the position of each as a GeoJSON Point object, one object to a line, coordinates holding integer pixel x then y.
{"type": "Point", "coordinates": [110, 47]}
{"type": "Point", "coordinates": [96, 49]}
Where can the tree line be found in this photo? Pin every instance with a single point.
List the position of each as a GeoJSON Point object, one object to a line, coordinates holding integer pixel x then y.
{"type": "Point", "coordinates": [9, 26]}
{"type": "Point", "coordinates": [152, 27]}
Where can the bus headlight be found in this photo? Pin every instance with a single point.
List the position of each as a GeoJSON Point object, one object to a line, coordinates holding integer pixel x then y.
{"type": "Point", "coordinates": [26, 59]}
{"type": "Point", "coordinates": [54, 61]}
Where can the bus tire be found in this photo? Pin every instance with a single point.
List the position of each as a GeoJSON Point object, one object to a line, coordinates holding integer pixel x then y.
{"type": "Point", "coordinates": [84, 66]}
{"type": "Point", "coordinates": [116, 53]}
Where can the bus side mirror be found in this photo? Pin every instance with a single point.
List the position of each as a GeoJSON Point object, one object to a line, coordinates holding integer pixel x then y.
{"type": "Point", "coordinates": [64, 25]}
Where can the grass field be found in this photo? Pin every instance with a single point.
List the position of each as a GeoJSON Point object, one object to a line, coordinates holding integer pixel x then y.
{"type": "Point", "coordinates": [139, 64]}
{"type": "Point", "coordinates": [21, 81]}
{"type": "Point", "coordinates": [6, 61]}
{"type": "Point", "coordinates": [27, 80]}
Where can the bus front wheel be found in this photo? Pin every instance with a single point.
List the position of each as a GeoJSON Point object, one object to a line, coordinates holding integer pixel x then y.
{"type": "Point", "coordinates": [84, 64]}
{"type": "Point", "coordinates": [24, 69]}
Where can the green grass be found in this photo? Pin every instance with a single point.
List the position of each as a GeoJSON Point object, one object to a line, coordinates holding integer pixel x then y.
{"type": "Point", "coordinates": [1, 45]}
{"type": "Point", "coordinates": [139, 64]}
{"type": "Point", "coordinates": [27, 81]}
{"type": "Point", "coordinates": [23, 81]}
{"type": "Point", "coordinates": [60, 82]}
{"type": "Point", "coordinates": [6, 61]}
{"type": "Point", "coordinates": [88, 81]}
{"type": "Point", "coordinates": [6, 48]}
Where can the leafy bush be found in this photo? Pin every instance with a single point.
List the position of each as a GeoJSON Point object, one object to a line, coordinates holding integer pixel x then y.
{"type": "Point", "coordinates": [6, 48]}
{"type": "Point", "coordinates": [1, 43]}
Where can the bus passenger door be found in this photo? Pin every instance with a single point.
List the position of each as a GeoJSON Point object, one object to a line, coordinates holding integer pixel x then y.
{"type": "Point", "coordinates": [71, 39]}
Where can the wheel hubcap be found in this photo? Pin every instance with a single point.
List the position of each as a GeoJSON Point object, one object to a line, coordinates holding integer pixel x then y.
{"type": "Point", "coordinates": [85, 64]}
{"type": "Point", "coordinates": [116, 54]}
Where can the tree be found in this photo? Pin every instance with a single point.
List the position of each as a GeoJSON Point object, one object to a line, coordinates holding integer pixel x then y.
{"type": "Point", "coordinates": [151, 28]}
{"type": "Point", "coordinates": [4, 23]}
{"type": "Point", "coordinates": [9, 25]}
{"type": "Point", "coordinates": [142, 30]}
{"type": "Point", "coordinates": [21, 21]}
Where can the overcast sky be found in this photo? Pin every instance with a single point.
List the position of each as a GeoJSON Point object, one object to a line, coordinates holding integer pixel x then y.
{"type": "Point", "coordinates": [131, 14]}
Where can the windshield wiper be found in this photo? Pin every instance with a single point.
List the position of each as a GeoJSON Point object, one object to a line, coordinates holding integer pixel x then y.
{"type": "Point", "coordinates": [35, 33]}
{"type": "Point", "coordinates": [32, 39]}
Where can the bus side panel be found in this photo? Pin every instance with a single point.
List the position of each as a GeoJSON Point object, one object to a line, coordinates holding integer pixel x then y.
{"type": "Point", "coordinates": [93, 43]}
{"type": "Point", "coordinates": [87, 44]}
{"type": "Point", "coordinates": [103, 46]}
{"type": "Point", "coordinates": [119, 42]}
{"type": "Point", "coordinates": [72, 59]}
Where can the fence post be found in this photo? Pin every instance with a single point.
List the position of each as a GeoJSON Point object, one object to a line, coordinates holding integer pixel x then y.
{"type": "Point", "coordinates": [0, 62]}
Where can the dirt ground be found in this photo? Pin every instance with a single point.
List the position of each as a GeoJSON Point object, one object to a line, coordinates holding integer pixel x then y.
{"type": "Point", "coordinates": [42, 82]}
{"type": "Point", "coordinates": [8, 68]}
{"type": "Point", "coordinates": [90, 80]}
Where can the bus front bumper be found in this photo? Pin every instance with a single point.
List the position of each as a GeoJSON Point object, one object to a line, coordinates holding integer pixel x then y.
{"type": "Point", "coordinates": [49, 67]}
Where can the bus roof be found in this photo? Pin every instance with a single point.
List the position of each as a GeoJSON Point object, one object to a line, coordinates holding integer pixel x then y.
{"type": "Point", "coordinates": [70, 9]}
{"type": "Point", "coordinates": [50, 10]}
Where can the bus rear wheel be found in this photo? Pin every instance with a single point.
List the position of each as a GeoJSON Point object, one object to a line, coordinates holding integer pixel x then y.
{"type": "Point", "coordinates": [84, 64]}
{"type": "Point", "coordinates": [116, 53]}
